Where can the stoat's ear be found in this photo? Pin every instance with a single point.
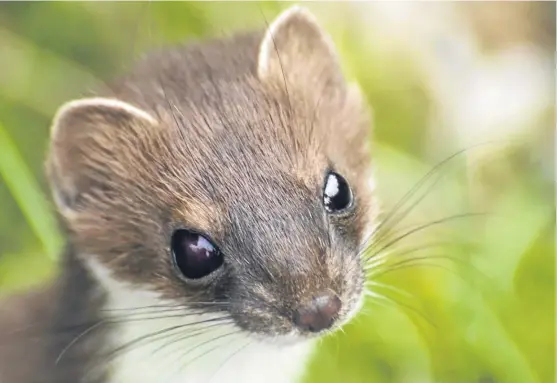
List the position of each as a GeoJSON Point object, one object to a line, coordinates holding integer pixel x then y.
{"type": "Point", "coordinates": [86, 139]}
{"type": "Point", "coordinates": [296, 48]}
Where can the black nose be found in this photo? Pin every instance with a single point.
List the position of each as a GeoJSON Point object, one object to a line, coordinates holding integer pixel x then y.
{"type": "Point", "coordinates": [319, 313]}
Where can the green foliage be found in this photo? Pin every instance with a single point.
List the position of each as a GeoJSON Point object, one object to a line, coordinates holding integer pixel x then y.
{"type": "Point", "coordinates": [481, 307]}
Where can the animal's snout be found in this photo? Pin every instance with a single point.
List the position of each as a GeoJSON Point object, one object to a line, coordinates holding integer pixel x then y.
{"type": "Point", "coordinates": [319, 313]}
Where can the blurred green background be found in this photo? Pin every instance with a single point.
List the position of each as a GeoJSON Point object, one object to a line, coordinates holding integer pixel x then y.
{"type": "Point", "coordinates": [478, 290]}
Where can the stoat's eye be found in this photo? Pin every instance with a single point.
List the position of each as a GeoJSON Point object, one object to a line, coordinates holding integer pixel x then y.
{"type": "Point", "coordinates": [194, 255]}
{"type": "Point", "coordinates": [337, 195]}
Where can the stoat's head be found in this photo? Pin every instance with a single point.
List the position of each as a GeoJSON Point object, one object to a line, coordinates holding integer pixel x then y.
{"type": "Point", "coordinates": [251, 195]}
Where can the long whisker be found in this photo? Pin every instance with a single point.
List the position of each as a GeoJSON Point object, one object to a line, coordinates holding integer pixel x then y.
{"type": "Point", "coordinates": [383, 257]}
{"type": "Point", "coordinates": [108, 319]}
{"type": "Point", "coordinates": [197, 346]}
{"type": "Point", "coordinates": [423, 227]}
{"type": "Point", "coordinates": [106, 322]}
{"type": "Point", "coordinates": [279, 59]}
{"type": "Point", "coordinates": [181, 304]}
{"type": "Point", "coordinates": [188, 336]}
{"type": "Point", "coordinates": [157, 335]}
{"type": "Point", "coordinates": [386, 225]}
{"type": "Point", "coordinates": [399, 236]}
{"type": "Point", "coordinates": [389, 287]}
{"type": "Point", "coordinates": [411, 192]}
{"type": "Point", "coordinates": [229, 358]}
{"type": "Point", "coordinates": [76, 339]}
{"type": "Point", "coordinates": [131, 318]}
{"type": "Point", "coordinates": [149, 336]}
{"type": "Point", "coordinates": [382, 228]}
{"type": "Point", "coordinates": [410, 263]}
{"type": "Point", "coordinates": [167, 307]}
{"type": "Point", "coordinates": [397, 303]}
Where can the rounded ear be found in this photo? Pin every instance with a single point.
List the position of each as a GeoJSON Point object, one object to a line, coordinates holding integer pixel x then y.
{"type": "Point", "coordinates": [84, 140]}
{"type": "Point", "coordinates": [295, 48]}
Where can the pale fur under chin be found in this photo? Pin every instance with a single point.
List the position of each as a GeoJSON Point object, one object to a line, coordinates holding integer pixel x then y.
{"type": "Point", "coordinates": [236, 358]}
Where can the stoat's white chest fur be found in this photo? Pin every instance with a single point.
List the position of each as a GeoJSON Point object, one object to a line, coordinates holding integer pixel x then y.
{"type": "Point", "coordinates": [190, 354]}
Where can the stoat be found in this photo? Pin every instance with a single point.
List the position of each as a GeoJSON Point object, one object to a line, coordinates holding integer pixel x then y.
{"type": "Point", "coordinates": [214, 202]}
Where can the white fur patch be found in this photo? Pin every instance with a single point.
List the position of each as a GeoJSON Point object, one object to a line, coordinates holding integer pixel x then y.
{"type": "Point", "coordinates": [236, 358]}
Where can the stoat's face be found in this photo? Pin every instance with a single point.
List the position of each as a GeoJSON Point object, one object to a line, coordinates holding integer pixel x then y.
{"type": "Point", "coordinates": [251, 197]}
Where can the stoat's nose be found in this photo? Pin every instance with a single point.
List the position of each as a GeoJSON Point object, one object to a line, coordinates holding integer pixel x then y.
{"type": "Point", "coordinates": [319, 313]}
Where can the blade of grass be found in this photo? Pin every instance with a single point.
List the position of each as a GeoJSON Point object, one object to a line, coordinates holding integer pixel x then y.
{"type": "Point", "coordinates": [27, 194]}
{"type": "Point", "coordinates": [486, 334]}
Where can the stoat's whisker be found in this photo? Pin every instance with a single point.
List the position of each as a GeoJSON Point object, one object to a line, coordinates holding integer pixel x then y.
{"type": "Point", "coordinates": [421, 262]}
{"type": "Point", "coordinates": [106, 322]}
{"type": "Point", "coordinates": [419, 228]}
{"type": "Point", "coordinates": [378, 298]}
{"type": "Point", "coordinates": [177, 306]}
{"type": "Point", "coordinates": [178, 312]}
{"type": "Point", "coordinates": [230, 357]}
{"type": "Point", "coordinates": [155, 335]}
{"type": "Point", "coordinates": [151, 317]}
{"type": "Point", "coordinates": [408, 263]}
{"type": "Point", "coordinates": [376, 264]}
{"type": "Point", "coordinates": [385, 225]}
{"type": "Point", "coordinates": [383, 231]}
{"type": "Point", "coordinates": [396, 303]}
{"type": "Point", "coordinates": [76, 339]}
{"type": "Point", "coordinates": [379, 260]}
{"type": "Point", "coordinates": [389, 221]}
{"type": "Point", "coordinates": [199, 345]}
{"type": "Point", "coordinates": [183, 366]}
{"type": "Point", "coordinates": [203, 330]}
{"type": "Point", "coordinates": [389, 287]}
{"type": "Point", "coordinates": [399, 252]}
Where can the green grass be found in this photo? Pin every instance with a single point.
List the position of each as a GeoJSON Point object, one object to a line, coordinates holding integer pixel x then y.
{"type": "Point", "coordinates": [482, 311]}
{"type": "Point", "coordinates": [28, 195]}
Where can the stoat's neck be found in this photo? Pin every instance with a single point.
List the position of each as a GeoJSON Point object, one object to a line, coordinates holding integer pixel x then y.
{"type": "Point", "coordinates": [75, 336]}
{"type": "Point", "coordinates": [170, 347]}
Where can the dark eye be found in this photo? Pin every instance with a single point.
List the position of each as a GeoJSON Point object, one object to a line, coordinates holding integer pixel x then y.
{"type": "Point", "coordinates": [194, 255]}
{"type": "Point", "coordinates": [337, 195]}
